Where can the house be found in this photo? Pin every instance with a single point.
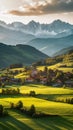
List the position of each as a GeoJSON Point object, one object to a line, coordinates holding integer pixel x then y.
{"type": "Point", "coordinates": [58, 83]}
{"type": "Point", "coordinates": [43, 80]}
{"type": "Point", "coordinates": [34, 73]}
{"type": "Point", "coordinates": [29, 80]}
{"type": "Point", "coordinates": [69, 83]}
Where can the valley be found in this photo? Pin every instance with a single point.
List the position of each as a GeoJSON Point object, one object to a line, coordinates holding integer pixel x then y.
{"type": "Point", "coordinates": [48, 99]}
{"type": "Point", "coordinates": [36, 76]}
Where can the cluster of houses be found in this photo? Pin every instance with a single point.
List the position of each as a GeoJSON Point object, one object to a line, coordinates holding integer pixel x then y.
{"type": "Point", "coordinates": [47, 76]}
{"type": "Point", "coordinates": [5, 80]}
{"type": "Point", "coordinates": [51, 77]}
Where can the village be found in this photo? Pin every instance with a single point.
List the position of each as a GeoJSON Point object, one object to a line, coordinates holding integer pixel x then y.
{"type": "Point", "coordinates": [49, 77]}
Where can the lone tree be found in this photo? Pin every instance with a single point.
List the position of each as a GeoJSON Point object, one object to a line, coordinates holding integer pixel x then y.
{"type": "Point", "coordinates": [1, 110]}
{"type": "Point", "coordinates": [19, 105]}
{"type": "Point", "coordinates": [32, 93]}
{"type": "Point", "coordinates": [32, 110]}
{"type": "Point", "coordinates": [18, 90]}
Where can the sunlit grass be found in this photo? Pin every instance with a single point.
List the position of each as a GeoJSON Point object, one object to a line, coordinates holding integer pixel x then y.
{"type": "Point", "coordinates": [19, 69]}
{"type": "Point", "coordinates": [41, 89]}
{"type": "Point", "coordinates": [18, 121]}
{"type": "Point", "coordinates": [41, 105]}
{"type": "Point", "coordinates": [56, 66]}
{"type": "Point", "coordinates": [22, 75]}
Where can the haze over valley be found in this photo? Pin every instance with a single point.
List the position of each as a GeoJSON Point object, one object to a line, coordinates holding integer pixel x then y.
{"type": "Point", "coordinates": [48, 38]}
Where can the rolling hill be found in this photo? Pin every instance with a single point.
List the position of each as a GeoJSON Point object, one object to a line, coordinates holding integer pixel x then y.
{"type": "Point", "coordinates": [19, 54]}
{"type": "Point", "coordinates": [62, 57]}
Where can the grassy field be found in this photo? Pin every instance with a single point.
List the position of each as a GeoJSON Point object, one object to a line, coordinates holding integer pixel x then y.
{"type": "Point", "coordinates": [17, 121]}
{"type": "Point", "coordinates": [44, 102]}
{"type": "Point", "coordinates": [19, 69]}
{"type": "Point", "coordinates": [22, 75]}
{"type": "Point", "coordinates": [54, 67]}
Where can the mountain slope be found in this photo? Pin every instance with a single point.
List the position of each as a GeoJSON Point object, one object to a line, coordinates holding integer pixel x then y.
{"type": "Point", "coordinates": [63, 58]}
{"type": "Point", "coordinates": [11, 36]}
{"type": "Point", "coordinates": [64, 51]}
{"type": "Point", "coordinates": [51, 45]}
{"type": "Point", "coordinates": [19, 54]}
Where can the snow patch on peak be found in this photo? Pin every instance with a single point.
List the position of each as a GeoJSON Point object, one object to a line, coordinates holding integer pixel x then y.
{"type": "Point", "coordinates": [45, 33]}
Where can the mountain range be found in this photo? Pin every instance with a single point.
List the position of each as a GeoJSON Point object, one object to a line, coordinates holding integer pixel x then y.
{"type": "Point", "coordinates": [57, 28]}
{"type": "Point", "coordinates": [48, 38]}
{"type": "Point", "coordinates": [19, 54]}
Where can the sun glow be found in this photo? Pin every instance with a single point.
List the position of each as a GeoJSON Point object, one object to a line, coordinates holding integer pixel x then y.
{"type": "Point", "coordinates": [49, 1]}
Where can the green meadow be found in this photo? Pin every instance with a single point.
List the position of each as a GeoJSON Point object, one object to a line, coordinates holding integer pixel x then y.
{"type": "Point", "coordinates": [44, 101]}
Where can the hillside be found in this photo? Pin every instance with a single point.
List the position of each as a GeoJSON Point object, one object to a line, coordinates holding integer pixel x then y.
{"type": "Point", "coordinates": [64, 51]}
{"type": "Point", "coordinates": [12, 36]}
{"type": "Point", "coordinates": [19, 54]}
{"type": "Point", "coordinates": [50, 46]}
{"type": "Point", "coordinates": [64, 57]}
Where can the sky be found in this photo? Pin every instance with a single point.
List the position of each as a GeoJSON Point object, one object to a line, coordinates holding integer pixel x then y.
{"type": "Point", "coordinates": [43, 11]}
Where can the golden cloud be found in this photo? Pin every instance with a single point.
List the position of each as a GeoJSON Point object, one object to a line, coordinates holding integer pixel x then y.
{"type": "Point", "coordinates": [46, 7]}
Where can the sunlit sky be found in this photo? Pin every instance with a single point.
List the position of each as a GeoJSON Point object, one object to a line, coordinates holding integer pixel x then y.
{"type": "Point", "coordinates": [43, 11]}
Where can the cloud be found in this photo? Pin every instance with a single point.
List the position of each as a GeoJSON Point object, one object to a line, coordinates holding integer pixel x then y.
{"type": "Point", "coordinates": [40, 7]}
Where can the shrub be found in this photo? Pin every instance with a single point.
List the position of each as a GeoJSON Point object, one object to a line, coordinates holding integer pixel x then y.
{"type": "Point", "coordinates": [32, 93]}
{"type": "Point", "coordinates": [72, 101]}
{"type": "Point", "coordinates": [32, 110]}
{"type": "Point", "coordinates": [18, 90]}
{"type": "Point", "coordinates": [1, 110]}
{"type": "Point", "coordinates": [9, 91]}
{"type": "Point", "coordinates": [12, 105]}
{"type": "Point", "coordinates": [19, 105]}
{"type": "Point", "coordinates": [5, 113]}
